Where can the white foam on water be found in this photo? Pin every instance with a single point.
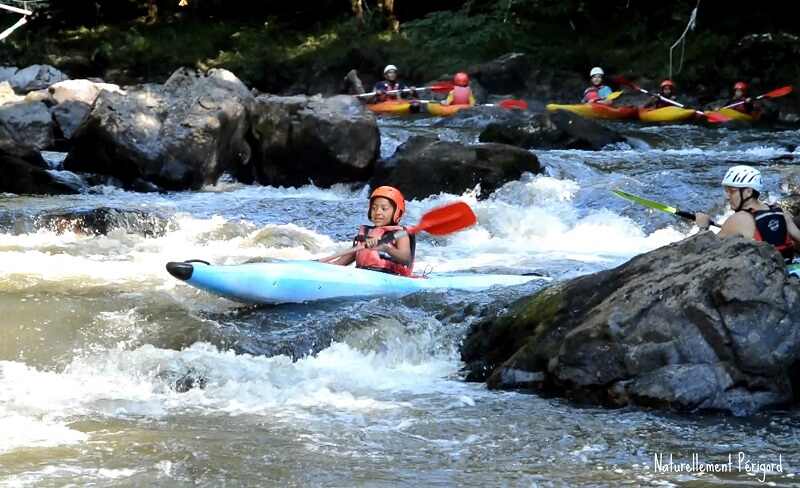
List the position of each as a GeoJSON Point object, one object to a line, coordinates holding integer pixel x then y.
{"type": "Point", "coordinates": [35, 405]}
{"type": "Point", "coordinates": [535, 220]}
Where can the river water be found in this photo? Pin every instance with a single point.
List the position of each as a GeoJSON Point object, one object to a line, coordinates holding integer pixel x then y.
{"type": "Point", "coordinates": [95, 335]}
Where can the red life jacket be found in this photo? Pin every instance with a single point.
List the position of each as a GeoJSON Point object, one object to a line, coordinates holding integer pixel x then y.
{"type": "Point", "coordinates": [378, 261]}
{"type": "Point", "coordinates": [771, 228]}
{"type": "Point", "coordinates": [461, 95]}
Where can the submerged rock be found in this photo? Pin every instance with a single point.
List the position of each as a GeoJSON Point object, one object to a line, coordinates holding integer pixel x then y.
{"type": "Point", "coordinates": [425, 166]}
{"type": "Point", "coordinates": [702, 324]}
{"type": "Point", "coordinates": [103, 220]}
{"type": "Point", "coordinates": [558, 130]}
{"type": "Point", "coordinates": [180, 135]}
{"type": "Point", "coordinates": [300, 139]}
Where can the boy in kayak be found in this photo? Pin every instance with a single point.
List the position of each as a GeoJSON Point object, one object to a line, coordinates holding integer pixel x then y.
{"type": "Point", "coordinates": [391, 83]}
{"type": "Point", "coordinates": [461, 94]}
{"type": "Point", "coordinates": [752, 218]}
{"type": "Point", "coordinates": [386, 208]}
{"type": "Point", "coordinates": [598, 91]}
{"type": "Point", "coordinates": [666, 90]}
{"type": "Point", "coordinates": [749, 106]}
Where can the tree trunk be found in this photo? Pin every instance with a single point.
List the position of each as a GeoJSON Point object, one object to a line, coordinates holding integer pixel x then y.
{"type": "Point", "coordinates": [152, 12]}
{"type": "Point", "coordinates": [358, 10]}
{"type": "Point", "coordinates": [387, 9]}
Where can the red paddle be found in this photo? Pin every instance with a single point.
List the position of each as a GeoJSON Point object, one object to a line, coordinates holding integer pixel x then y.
{"type": "Point", "coordinates": [712, 117]}
{"type": "Point", "coordinates": [514, 104]}
{"type": "Point", "coordinates": [778, 92]}
{"type": "Point", "coordinates": [440, 221]}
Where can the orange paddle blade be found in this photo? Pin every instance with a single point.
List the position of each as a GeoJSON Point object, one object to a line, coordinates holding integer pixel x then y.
{"type": "Point", "coordinates": [716, 118]}
{"type": "Point", "coordinates": [778, 92]}
{"type": "Point", "coordinates": [445, 219]}
{"type": "Point", "coordinates": [514, 104]}
{"type": "Point", "coordinates": [441, 86]}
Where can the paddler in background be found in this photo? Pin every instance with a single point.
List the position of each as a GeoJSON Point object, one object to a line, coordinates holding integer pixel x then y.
{"type": "Point", "coordinates": [750, 106]}
{"type": "Point", "coordinates": [391, 83]}
{"type": "Point", "coordinates": [461, 94]}
{"type": "Point", "coordinates": [386, 207]}
{"type": "Point", "coordinates": [666, 90]}
{"type": "Point", "coordinates": [597, 92]}
{"type": "Point", "coordinates": [752, 218]}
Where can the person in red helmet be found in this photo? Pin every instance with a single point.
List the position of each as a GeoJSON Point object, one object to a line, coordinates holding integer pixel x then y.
{"type": "Point", "coordinates": [749, 107]}
{"type": "Point", "coordinates": [461, 94]}
{"type": "Point", "coordinates": [666, 90]}
{"type": "Point", "coordinates": [378, 249]}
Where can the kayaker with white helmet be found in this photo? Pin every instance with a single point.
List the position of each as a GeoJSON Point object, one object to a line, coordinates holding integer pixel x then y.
{"type": "Point", "coordinates": [386, 207]}
{"type": "Point", "coordinates": [461, 94]}
{"type": "Point", "coordinates": [391, 83]}
{"type": "Point", "coordinates": [666, 90]}
{"type": "Point", "coordinates": [752, 218]}
{"type": "Point", "coordinates": [597, 91]}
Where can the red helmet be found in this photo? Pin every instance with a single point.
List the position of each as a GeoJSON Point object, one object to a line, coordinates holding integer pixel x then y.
{"type": "Point", "coordinates": [393, 195]}
{"type": "Point", "coordinates": [668, 83]}
{"type": "Point", "coordinates": [740, 85]}
{"type": "Point", "coordinates": [461, 79]}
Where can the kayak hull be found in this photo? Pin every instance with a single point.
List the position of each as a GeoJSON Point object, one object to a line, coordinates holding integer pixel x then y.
{"type": "Point", "coordinates": [596, 110]}
{"type": "Point", "coordinates": [398, 107]}
{"type": "Point", "coordinates": [439, 110]}
{"type": "Point", "coordinates": [304, 281]}
{"type": "Point", "coordinates": [735, 115]}
{"type": "Point", "coordinates": [666, 114]}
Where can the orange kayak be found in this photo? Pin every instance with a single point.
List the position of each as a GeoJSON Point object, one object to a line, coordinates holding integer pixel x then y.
{"type": "Point", "coordinates": [596, 110]}
{"type": "Point", "coordinates": [736, 115]}
{"type": "Point", "coordinates": [666, 114]}
{"type": "Point", "coordinates": [391, 107]}
{"type": "Point", "coordinates": [440, 110]}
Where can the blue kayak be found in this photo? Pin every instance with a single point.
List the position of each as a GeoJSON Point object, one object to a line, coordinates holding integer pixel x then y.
{"type": "Point", "coordinates": [304, 281]}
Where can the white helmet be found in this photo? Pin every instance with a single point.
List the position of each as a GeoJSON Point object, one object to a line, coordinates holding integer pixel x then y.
{"type": "Point", "coordinates": [390, 67]}
{"type": "Point", "coordinates": [743, 177]}
{"type": "Point", "coordinates": [597, 70]}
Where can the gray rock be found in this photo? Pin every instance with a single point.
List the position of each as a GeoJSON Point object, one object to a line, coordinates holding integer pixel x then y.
{"type": "Point", "coordinates": [7, 72]}
{"type": "Point", "coordinates": [301, 139]}
{"type": "Point", "coordinates": [36, 77]}
{"type": "Point", "coordinates": [702, 324]}
{"type": "Point", "coordinates": [425, 166]}
{"type": "Point", "coordinates": [29, 122]}
{"type": "Point", "coordinates": [69, 116]}
{"type": "Point", "coordinates": [180, 135]}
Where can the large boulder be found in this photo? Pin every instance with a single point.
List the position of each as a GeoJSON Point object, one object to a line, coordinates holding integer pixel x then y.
{"type": "Point", "coordinates": [30, 122]}
{"type": "Point", "coordinates": [24, 171]}
{"type": "Point", "coordinates": [36, 77]}
{"type": "Point", "coordinates": [702, 324]}
{"type": "Point", "coordinates": [300, 139]}
{"type": "Point", "coordinates": [7, 72]}
{"type": "Point", "coordinates": [180, 135]}
{"type": "Point", "coordinates": [424, 166]}
{"type": "Point", "coordinates": [73, 100]}
{"type": "Point", "coordinates": [558, 130]}
{"type": "Point", "coordinates": [507, 74]}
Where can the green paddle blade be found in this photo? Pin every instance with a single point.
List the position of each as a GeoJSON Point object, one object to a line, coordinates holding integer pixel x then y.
{"type": "Point", "coordinates": [645, 202]}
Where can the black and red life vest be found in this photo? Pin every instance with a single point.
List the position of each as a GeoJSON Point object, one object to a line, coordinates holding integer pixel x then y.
{"type": "Point", "coordinates": [771, 228]}
{"type": "Point", "coordinates": [379, 261]}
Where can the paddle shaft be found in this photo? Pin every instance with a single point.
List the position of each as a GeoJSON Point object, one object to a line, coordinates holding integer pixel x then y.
{"type": "Point", "coordinates": [669, 100]}
{"type": "Point", "coordinates": [384, 240]}
{"type": "Point", "coordinates": [690, 216]}
{"type": "Point", "coordinates": [778, 92]}
{"type": "Point", "coordinates": [392, 92]}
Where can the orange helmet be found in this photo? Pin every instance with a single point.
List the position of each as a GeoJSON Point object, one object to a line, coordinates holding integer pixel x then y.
{"type": "Point", "coordinates": [740, 85]}
{"type": "Point", "coordinates": [461, 79]}
{"type": "Point", "coordinates": [393, 195]}
{"type": "Point", "coordinates": [668, 83]}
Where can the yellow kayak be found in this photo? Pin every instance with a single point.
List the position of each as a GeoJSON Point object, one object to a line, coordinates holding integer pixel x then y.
{"type": "Point", "coordinates": [736, 115]}
{"type": "Point", "coordinates": [596, 110]}
{"type": "Point", "coordinates": [666, 114]}
{"type": "Point", "coordinates": [440, 110]}
{"type": "Point", "coordinates": [391, 107]}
